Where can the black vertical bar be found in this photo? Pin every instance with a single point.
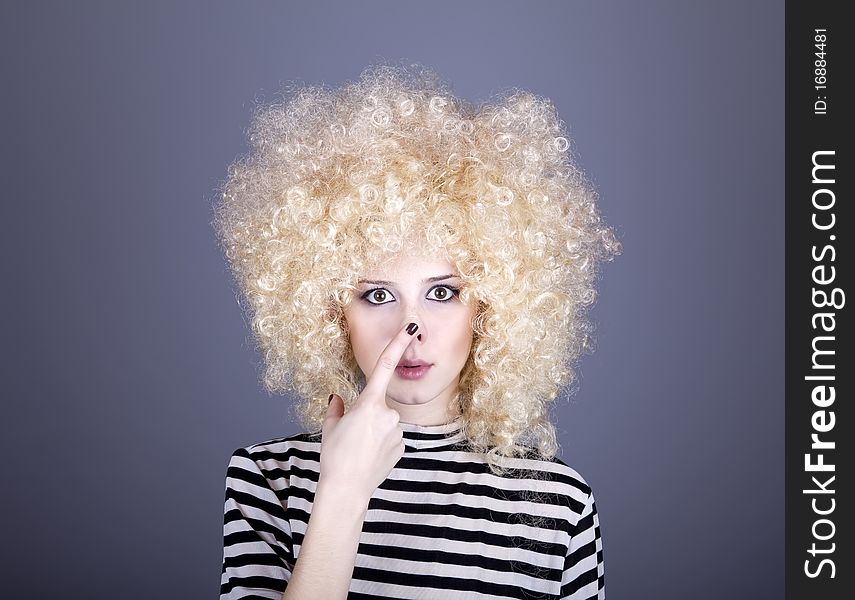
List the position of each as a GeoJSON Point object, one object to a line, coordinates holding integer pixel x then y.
{"type": "Point", "coordinates": [819, 359]}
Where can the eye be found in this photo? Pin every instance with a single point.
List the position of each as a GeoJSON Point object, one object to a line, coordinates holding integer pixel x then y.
{"type": "Point", "coordinates": [444, 293]}
{"type": "Point", "coordinates": [377, 296]}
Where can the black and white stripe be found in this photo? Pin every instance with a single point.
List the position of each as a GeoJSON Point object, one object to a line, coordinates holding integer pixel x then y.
{"type": "Point", "coordinates": [440, 526]}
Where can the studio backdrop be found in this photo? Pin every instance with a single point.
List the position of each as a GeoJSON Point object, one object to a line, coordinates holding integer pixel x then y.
{"type": "Point", "coordinates": [130, 372]}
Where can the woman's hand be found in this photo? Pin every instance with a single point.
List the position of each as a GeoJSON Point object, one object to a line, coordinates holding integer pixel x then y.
{"type": "Point", "coordinates": [360, 448]}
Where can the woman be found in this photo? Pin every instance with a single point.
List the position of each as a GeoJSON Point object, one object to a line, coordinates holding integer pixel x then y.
{"type": "Point", "coordinates": [418, 272]}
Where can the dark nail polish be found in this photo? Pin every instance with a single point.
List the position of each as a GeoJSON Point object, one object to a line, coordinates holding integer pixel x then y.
{"type": "Point", "coordinates": [329, 401]}
{"type": "Point", "coordinates": [411, 328]}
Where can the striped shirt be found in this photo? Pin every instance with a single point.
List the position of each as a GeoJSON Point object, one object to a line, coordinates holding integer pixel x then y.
{"type": "Point", "coordinates": [440, 526]}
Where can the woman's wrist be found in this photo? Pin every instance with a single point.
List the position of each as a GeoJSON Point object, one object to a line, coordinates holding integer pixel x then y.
{"type": "Point", "coordinates": [351, 502]}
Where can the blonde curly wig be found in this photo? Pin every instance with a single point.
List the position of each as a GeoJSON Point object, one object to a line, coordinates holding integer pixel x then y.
{"type": "Point", "coordinates": [340, 179]}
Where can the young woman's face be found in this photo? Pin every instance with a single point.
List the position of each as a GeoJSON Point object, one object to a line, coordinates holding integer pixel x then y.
{"type": "Point", "coordinates": [420, 289]}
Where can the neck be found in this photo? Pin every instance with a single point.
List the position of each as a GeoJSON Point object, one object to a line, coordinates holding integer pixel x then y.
{"type": "Point", "coordinates": [434, 412]}
{"type": "Point", "coordinates": [433, 437]}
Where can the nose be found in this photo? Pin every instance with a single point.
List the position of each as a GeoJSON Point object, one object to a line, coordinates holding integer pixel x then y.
{"type": "Point", "coordinates": [413, 311]}
{"type": "Point", "coordinates": [421, 325]}
{"type": "Point", "coordinates": [413, 318]}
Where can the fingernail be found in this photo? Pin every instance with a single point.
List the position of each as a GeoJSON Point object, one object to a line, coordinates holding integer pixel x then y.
{"type": "Point", "coordinates": [329, 401]}
{"type": "Point", "coordinates": [411, 328]}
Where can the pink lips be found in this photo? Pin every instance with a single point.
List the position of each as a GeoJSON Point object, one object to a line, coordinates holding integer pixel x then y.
{"type": "Point", "coordinates": [414, 372]}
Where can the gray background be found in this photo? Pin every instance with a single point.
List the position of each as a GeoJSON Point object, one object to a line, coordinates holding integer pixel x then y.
{"type": "Point", "coordinates": [128, 374]}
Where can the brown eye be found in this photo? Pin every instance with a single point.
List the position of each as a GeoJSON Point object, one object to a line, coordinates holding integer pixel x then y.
{"type": "Point", "coordinates": [444, 293]}
{"type": "Point", "coordinates": [377, 296]}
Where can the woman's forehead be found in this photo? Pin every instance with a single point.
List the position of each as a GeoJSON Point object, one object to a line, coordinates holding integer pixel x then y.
{"type": "Point", "coordinates": [414, 250]}
{"type": "Point", "coordinates": [410, 264]}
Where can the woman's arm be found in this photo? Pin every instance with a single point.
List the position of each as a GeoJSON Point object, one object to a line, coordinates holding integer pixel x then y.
{"type": "Point", "coordinates": [329, 548]}
{"type": "Point", "coordinates": [257, 541]}
{"type": "Point", "coordinates": [583, 566]}
{"type": "Point", "coordinates": [358, 450]}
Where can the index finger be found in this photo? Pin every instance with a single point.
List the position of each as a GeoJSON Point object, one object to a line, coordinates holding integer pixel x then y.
{"type": "Point", "coordinates": [378, 381]}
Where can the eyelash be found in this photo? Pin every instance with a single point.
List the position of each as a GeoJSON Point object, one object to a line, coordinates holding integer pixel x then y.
{"type": "Point", "coordinates": [454, 293]}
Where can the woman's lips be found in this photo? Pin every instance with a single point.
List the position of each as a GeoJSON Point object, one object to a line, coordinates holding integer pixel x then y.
{"type": "Point", "coordinates": [412, 372]}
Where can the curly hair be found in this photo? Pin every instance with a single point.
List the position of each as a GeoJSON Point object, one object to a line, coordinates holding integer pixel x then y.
{"type": "Point", "coordinates": [338, 179]}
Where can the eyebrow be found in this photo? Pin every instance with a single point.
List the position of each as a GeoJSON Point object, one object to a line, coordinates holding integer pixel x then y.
{"type": "Point", "coordinates": [428, 280]}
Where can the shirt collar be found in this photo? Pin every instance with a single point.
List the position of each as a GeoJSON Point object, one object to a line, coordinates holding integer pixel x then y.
{"type": "Point", "coordinates": [421, 437]}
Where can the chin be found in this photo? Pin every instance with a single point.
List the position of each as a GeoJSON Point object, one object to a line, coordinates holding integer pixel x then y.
{"type": "Point", "coordinates": [411, 398]}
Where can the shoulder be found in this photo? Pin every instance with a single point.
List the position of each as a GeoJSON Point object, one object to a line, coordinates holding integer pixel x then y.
{"type": "Point", "coordinates": [276, 453]}
{"type": "Point", "coordinates": [283, 444]}
{"type": "Point", "coordinates": [553, 470]}
{"type": "Point", "coordinates": [570, 476]}
{"type": "Point", "coordinates": [554, 482]}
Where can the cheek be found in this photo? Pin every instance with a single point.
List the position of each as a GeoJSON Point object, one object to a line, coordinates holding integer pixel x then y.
{"type": "Point", "coordinates": [365, 340]}
{"type": "Point", "coordinates": [460, 334]}
{"type": "Point", "coordinates": [357, 340]}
